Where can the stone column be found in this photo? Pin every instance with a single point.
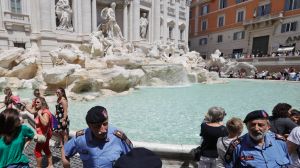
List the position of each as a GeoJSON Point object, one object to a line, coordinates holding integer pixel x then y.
{"type": "Point", "coordinates": [77, 24]}
{"type": "Point", "coordinates": [45, 15]}
{"type": "Point", "coordinates": [176, 33]}
{"type": "Point", "coordinates": [86, 17]}
{"type": "Point", "coordinates": [94, 15]}
{"type": "Point", "coordinates": [156, 21]}
{"type": "Point", "coordinates": [34, 16]}
{"type": "Point", "coordinates": [1, 14]}
{"type": "Point", "coordinates": [165, 24]}
{"type": "Point", "coordinates": [187, 18]}
{"type": "Point", "coordinates": [136, 20]}
{"type": "Point", "coordinates": [130, 22]}
{"type": "Point", "coordinates": [125, 21]}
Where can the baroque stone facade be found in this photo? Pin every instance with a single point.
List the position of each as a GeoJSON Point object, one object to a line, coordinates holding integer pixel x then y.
{"type": "Point", "coordinates": [52, 23]}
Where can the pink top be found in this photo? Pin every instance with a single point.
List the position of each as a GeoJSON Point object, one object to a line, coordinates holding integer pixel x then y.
{"type": "Point", "coordinates": [40, 128]}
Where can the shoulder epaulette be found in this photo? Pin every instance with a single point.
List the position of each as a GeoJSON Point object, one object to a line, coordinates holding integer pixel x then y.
{"type": "Point", "coordinates": [123, 137]}
{"type": "Point", "coordinates": [230, 150]}
{"type": "Point", "coordinates": [79, 133]}
{"type": "Point", "coordinates": [280, 137]}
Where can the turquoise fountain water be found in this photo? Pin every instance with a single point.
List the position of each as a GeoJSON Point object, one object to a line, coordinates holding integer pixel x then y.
{"type": "Point", "coordinates": [173, 115]}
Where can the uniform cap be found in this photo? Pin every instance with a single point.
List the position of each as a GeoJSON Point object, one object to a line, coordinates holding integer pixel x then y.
{"type": "Point", "coordinates": [257, 114]}
{"type": "Point", "coordinates": [97, 114]}
{"type": "Point", "coordinates": [137, 158]}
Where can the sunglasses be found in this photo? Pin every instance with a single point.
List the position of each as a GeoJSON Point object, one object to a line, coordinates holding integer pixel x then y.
{"type": "Point", "coordinates": [37, 102]}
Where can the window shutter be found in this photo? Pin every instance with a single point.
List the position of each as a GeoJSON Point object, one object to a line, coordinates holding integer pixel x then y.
{"type": "Point", "coordinates": [243, 34]}
{"type": "Point", "coordinates": [259, 11]}
{"type": "Point", "coordinates": [293, 26]}
{"type": "Point", "coordinates": [283, 28]}
{"type": "Point", "coordinates": [287, 5]}
{"type": "Point", "coordinates": [297, 4]}
{"type": "Point", "coordinates": [268, 9]}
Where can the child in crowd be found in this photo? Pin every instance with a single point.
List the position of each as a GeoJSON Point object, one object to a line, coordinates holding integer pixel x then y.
{"type": "Point", "coordinates": [235, 128]}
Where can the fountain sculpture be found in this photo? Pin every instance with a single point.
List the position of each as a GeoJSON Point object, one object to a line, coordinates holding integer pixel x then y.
{"type": "Point", "coordinates": [109, 62]}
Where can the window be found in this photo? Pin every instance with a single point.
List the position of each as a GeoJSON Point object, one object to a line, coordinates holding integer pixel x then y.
{"type": "Point", "coordinates": [204, 25]}
{"type": "Point", "coordinates": [203, 41]}
{"type": "Point", "coordinates": [204, 10]}
{"type": "Point", "coordinates": [239, 35]}
{"type": "Point", "coordinates": [220, 38]}
{"type": "Point", "coordinates": [19, 45]}
{"type": "Point", "coordinates": [220, 21]}
{"type": "Point", "coordinates": [191, 13]}
{"type": "Point", "coordinates": [240, 16]}
{"type": "Point", "coordinates": [222, 4]}
{"type": "Point", "coordinates": [264, 10]}
{"type": "Point", "coordinates": [170, 32]}
{"type": "Point", "coordinates": [239, 1]}
{"type": "Point", "coordinates": [15, 6]}
{"type": "Point", "coordinates": [292, 4]}
{"type": "Point", "coordinates": [287, 27]}
{"type": "Point", "coordinates": [181, 34]}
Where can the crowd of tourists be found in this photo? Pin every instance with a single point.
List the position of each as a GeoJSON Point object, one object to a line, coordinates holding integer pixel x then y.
{"type": "Point", "coordinates": [270, 141]}
{"type": "Point", "coordinates": [286, 74]}
{"type": "Point", "coordinates": [99, 145]}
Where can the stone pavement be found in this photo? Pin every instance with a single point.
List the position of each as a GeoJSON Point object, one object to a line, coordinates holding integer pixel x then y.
{"type": "Point", "coordinates": [29, 151]}
{"type": "Point", "coordinates": [76, 162]}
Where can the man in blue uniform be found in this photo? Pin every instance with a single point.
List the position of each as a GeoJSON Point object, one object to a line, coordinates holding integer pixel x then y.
{"type": "Point", "coordinates": [259, 147]}
{"type": "Point", "coordinates": [100, 145]}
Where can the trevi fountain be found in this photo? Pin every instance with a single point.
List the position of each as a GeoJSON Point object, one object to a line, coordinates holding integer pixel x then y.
{"type": "Point", "coordinates": [155, 92]}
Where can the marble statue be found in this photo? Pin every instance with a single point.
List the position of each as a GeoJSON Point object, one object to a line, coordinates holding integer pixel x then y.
{"type": "Point", "coordinates": [64, 15]}
{"type": "Point", "coordinates": [143, 26]}
{"type": "Point", "coordinates": [111, 26]}
{"type": "Point", "coordinates": [100, 44]}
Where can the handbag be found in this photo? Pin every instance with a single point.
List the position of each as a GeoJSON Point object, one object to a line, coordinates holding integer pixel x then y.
{"type": "Point", "coordinates": [196, 153]}
{"type": "Point", "coordinates": [39, 138]}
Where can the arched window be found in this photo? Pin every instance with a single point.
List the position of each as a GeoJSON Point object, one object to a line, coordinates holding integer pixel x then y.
{"type": "Point", "coordinates": [182, 30]}
{"type": "Point", "coordinates": [171, 26]}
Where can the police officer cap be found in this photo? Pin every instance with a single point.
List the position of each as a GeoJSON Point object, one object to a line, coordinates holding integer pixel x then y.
{"type": "Point", "coordinates": [137, 158]}
{"type": "Point", "coordinates": [257, 114]}
{"type": "Point", "coordinates": [97, 114]}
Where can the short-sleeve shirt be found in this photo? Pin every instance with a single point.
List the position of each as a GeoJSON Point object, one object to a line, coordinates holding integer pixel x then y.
{"type": "Point", "coordinates": [13, 153]}
{"type": "Point", "coordinates": [222, 146]}
{"type": "Point", "coordinates": [95, 153]}
{"type": "Point", "coordinates": [273, 153]}
{"type": "Point", "coordinates": [295, 138]}
{"type": "Point", "coordinates": [282, 125]}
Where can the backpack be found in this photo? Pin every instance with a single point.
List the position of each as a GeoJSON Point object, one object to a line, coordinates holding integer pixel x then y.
{"type": "Point", "coordinates": [54, 122]}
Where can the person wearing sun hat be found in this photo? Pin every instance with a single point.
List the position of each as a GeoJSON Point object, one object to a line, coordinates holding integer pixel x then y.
{"type": "Point", "coordinates": [100, 145]}
{"type": "Point", "coordinates": [259, 147]}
